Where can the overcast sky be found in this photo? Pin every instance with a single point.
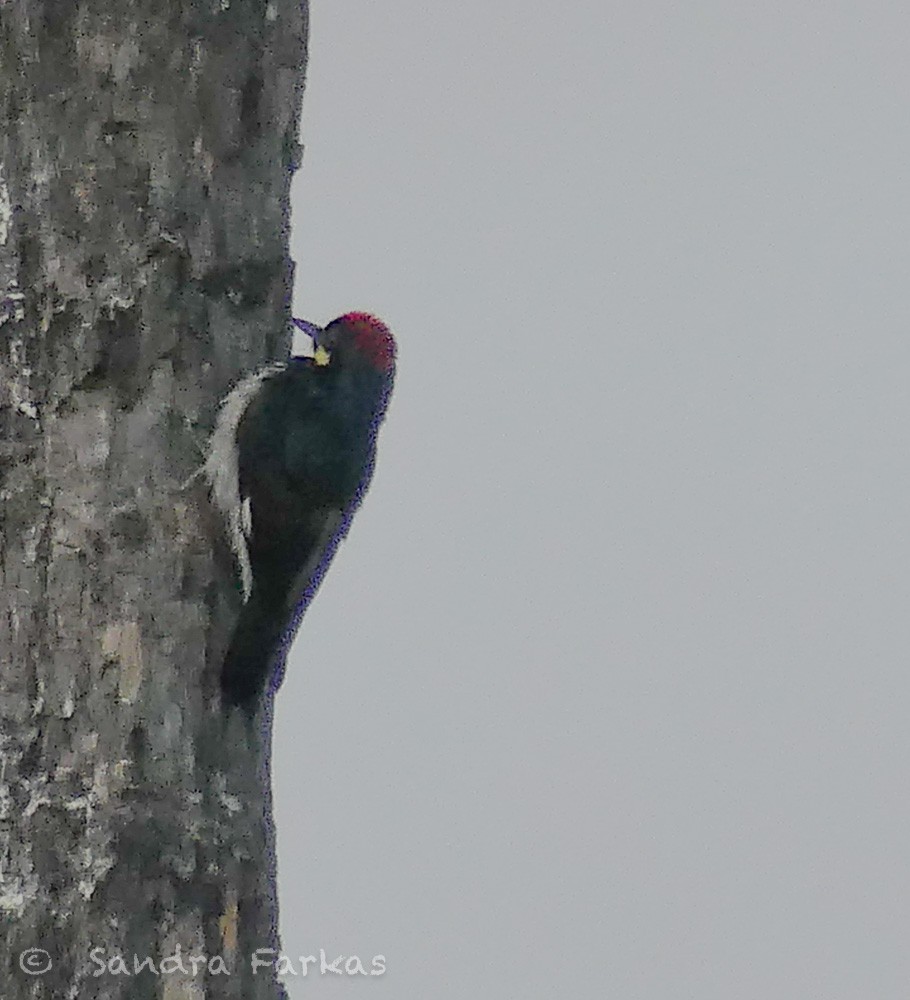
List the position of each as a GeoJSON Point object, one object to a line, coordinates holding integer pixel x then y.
{"type": "Point", "coordinates": [607, 692]}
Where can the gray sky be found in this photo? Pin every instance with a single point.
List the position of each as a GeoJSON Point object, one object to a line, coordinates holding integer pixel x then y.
{"type": "Point", "coordinates": [606, 694]}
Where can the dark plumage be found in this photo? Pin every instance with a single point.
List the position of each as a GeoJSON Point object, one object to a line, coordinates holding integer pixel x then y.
{"type": "Point", "coordinates": [305, 436]}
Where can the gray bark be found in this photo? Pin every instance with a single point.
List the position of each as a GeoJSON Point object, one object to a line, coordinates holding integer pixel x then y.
{"type": "Point", "coordinates": [146, 153]}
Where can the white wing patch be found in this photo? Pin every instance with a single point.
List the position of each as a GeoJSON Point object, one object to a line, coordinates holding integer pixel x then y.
{"type": "Point", "coordinates": [246, 517]}
{"type": "Point", "coordinates": [222, 471]}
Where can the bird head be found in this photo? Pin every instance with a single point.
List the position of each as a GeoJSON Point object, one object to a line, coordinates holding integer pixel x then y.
{"type": "Point", "coordinates": [356, 340]}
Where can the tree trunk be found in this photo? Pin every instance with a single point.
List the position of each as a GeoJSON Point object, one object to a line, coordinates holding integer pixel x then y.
{"type": "Point", "coordinates": [145, 162]}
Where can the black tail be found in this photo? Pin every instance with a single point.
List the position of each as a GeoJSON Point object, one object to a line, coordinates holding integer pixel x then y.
{"type": "Point", "coordinates": [254, 651]}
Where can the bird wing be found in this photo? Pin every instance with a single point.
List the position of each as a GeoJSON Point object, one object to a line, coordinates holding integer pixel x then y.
{"type": "Point", "coordinates": [269, 619]}
{"type": "Point", "coordinates": [328, 528]}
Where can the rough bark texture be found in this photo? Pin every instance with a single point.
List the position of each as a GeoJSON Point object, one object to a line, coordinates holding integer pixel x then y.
{"type": "Point", "coordinates": [146, 151]}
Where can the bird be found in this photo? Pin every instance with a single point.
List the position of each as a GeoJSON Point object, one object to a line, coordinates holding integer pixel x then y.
{"type": "Point", "coordinates": [289, 460]}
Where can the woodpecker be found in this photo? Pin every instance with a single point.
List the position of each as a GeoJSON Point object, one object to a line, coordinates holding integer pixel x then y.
{"type": "Point", "coordinates": [288, 463]}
